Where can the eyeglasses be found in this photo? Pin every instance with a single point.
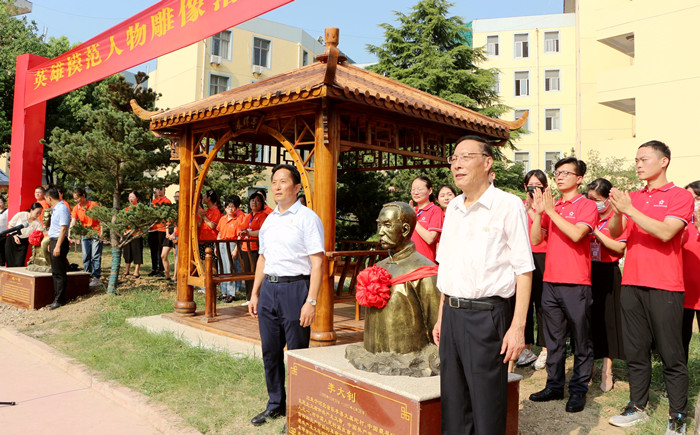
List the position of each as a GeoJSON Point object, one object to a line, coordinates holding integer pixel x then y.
{"type": "Point", "coordinates": [564, 173]}
{"type": "Point", "coordinates": [464, 157]}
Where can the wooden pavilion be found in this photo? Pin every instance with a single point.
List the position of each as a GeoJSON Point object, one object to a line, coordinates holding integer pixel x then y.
{"type": "Point", "coordinates": [324, 118]}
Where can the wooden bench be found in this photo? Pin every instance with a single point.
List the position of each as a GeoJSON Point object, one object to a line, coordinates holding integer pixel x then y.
{"type": "Point", "coordinates": [344, 267]}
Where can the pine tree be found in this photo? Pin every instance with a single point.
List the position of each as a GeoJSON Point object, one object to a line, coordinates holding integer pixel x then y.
{"type": "Point", "coordinates": [113, 153]}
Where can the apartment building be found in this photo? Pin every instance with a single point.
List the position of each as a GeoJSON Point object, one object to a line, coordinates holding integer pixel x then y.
{"type": "Point", "coordinates": [246, 53]}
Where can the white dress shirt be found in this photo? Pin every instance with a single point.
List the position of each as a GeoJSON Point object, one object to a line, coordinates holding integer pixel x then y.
{"type": "Point", "coordinates": [484, 248]}
{"type": "Point", "coordinates": [288, 239]}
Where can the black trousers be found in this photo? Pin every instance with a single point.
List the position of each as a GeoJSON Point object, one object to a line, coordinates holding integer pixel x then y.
{"type": "Point", "coordinates": [534, 309]}
{"type": "Point", "coordinates": [279, 308]}
{"type": "Point", "coordinates": [59, 270]}
{"type": "Point", "coordinates": [155, 244]}
{"type": "Point", "coordinates": [568, 307]}
{"type": "Point", "coordinates": [16, 254]}
{"type": "Point", "coordinates": [652, 315]}
{"type": "Point", "coordinates": [688, 315]}
{"type": "Point", "coordinates": [473, 377]}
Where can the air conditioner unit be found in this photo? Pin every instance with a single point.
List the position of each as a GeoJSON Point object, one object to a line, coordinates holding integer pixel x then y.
{"type": "Point", "coordinates": [257, 69]}
{"type": "Point", "coordinates": [215, 59]}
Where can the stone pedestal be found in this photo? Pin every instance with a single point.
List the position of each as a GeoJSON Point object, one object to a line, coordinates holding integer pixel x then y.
{"type": "Point", "coordinates": [32, 290]}
{"type": "Point", "coordinates": [327, 395]}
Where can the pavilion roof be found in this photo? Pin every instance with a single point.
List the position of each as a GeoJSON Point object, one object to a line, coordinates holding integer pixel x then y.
{"type": "Point", "coordinates": [348, 83]}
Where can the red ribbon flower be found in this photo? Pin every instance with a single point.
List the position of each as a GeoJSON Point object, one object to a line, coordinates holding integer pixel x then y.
{"type": "Point", "coordinates": [373, 287]}
{"type": "Point", "coordinates": [36, 237]}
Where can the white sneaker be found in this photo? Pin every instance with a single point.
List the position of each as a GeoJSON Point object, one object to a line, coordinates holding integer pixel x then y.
{"type": "Point", "coordinates": [630, 416]}
{"type": "Point", "coordinates": [95, 282]}
{"type": "Point", "coordinates": [526, 357]}
{"type": "Point", "coordinates": [245, 304]}
{"type": "Point", "coordinates": [541, 362]}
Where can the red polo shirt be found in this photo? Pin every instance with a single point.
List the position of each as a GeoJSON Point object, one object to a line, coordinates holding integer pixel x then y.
{"type": "Point", "coordinates": [651, 262]}
{"type": "Point", "coordinates": [431, 218]}
{"type": "Point", "coordinates": [542, 247]}
{"type": "Point", "coordinates": [691, 266]}
{"type": "Point", "coordinates": [79, 214]}
{"type": "Point", "coordinates": [568, 262]}
{"type": "Point", "coordinates": [205, 232]}
{"type": "Point", "coordinates": [229, 226]}
{"type": "Point", "coordinates": [606, 255]}
{"type": "Point", "coordinates": [157, 201]}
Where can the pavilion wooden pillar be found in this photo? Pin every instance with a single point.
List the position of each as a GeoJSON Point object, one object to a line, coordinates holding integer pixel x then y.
{"type": "Point", "coordinates": [327, 151]}
{"type": "Point", "coordinates": [185, 304]}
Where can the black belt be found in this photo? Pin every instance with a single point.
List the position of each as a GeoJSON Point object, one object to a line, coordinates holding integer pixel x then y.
{"type": "Point", "coordinates": [480, 304]}
{"type": "Point", "coordinates": [277, 279]}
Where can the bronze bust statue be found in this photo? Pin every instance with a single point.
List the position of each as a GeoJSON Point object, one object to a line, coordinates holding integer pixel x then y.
{"type": "Point", "coordinates": [398, 337]}
{"type": "Point", "coordinates": [40, 261]}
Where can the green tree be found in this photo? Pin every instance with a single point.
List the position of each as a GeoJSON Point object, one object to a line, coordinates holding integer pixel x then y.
{"type": "Point", "coordinates": [619, 171]}
{"type": "Point", "coordinates": [113, 152]}
{"type": "Point", "coordinates": [429, 51]}
{"type": "Point", "coordinates": [228, 179]}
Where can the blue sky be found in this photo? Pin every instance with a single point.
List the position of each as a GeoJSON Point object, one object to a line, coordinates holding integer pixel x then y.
{"type": "Point", "coordinates": [358, 20]}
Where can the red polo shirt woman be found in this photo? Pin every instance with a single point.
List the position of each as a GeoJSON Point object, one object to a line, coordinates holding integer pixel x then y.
{"type": "Point", "coordinates": [691, 269]}
{"type": "Point", "coordinates": [430, 217]}
{"type": "Point", "coordinates": [606, 311]}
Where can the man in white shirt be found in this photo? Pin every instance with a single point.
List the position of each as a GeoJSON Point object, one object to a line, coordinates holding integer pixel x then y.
{"type": "Point", "coordinates": [58, 245]}
{"type": "Point", "coordinates": [484, 259]}
{"type": "Point", "coordinates": [287, 281]}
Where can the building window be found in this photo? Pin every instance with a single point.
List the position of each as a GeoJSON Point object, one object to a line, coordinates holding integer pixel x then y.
{"type": "Point", "coordinates": [519, 114]}
{"type": "Point", "coordinates": [261, 52]}
{"type": "Point", "coordinates": [551, 42]}
{"type": "Point", "coordinates": [492, 45]}
{"type": "Point", "coordinates": [218, 84]}
{"type": "Point", "coordinates": [550, 159]}
{"type": "Point", "coordinates": [521, 45]}
{"type": "Point", "coordinates": [551, 80]}
{"type": "Point", "coordinates": [496, 88]}
{"type": "Point", "coordinates": [552, 120]}
{"type": "Point", "coordinates": [522, 83]}
{"type": "Point", "coordinates": [221, 44]}
{"type": "Point", "coordinates": [304, 58]}
{"type": "Point", "coordinates": [524, 158]}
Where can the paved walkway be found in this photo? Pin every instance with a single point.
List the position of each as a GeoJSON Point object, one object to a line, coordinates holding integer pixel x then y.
{"type": "Point", "coordinates": [56, 395]}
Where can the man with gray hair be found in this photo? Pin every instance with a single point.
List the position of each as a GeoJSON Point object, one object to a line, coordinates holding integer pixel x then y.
{"type": "Point", "coordinates": [474, 330]}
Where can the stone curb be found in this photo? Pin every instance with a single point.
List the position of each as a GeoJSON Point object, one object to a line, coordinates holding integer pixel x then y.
{"type": "Point", "coordinates": [159, 416]}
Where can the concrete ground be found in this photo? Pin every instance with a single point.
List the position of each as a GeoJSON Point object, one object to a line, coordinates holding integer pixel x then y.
{"type": "Point", "coordinates": [56, 395]}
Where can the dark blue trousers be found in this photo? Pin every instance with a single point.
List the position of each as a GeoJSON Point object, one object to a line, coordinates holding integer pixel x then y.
{"type": "Point", "coordinates": [279, 308]}
{"type": "Point", "coordinates": [564, 307]}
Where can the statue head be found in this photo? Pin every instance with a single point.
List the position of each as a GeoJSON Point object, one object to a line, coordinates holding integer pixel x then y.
{"type": "Point", "coordinates": [395, 225]}
{"type": "Point", "coordinates": [46, 218]}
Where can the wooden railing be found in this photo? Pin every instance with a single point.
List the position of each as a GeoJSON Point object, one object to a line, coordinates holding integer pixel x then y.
{"type": "Point", "coordinates": [343, 267]}
{"type": "Point", "coordinates": [213, 274]}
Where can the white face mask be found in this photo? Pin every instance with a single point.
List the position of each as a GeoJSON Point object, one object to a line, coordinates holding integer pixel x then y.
{"type": "Point", "coordinates": [602, 206]}
{"type": "Point", "coordinates": [697, 204]}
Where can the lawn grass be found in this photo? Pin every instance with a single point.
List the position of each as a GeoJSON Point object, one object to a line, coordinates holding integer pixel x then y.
{"type": "Point", "coordinates": [213, 391]}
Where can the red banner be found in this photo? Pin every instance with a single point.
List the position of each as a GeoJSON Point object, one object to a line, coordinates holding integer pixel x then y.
{"type": "Point", "coordinates": [164, 27]}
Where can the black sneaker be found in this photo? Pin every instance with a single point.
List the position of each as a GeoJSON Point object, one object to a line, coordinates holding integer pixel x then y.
{"type": "Point", "coordinates": [676, 425]}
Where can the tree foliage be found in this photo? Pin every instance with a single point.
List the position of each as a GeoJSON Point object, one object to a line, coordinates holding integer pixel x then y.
{"type": "Point", "coordinates": [617, 170]}
{"type": "Point", "coordinates": [228, 179]}
{"type": "Point", "coordinates": [428, 50]}
{"type": "Point", "coordinates": [112, 152]}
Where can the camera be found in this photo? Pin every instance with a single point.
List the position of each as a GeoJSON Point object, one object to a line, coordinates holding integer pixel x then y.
{"type": "Point", "coordinates": [531, 190]}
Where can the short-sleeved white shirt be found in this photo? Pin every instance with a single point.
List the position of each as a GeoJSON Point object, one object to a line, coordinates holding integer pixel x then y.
{"type": "Point", "coordinates": [485, 247]}
{"type": "Point", "coordinates": [288, 239]}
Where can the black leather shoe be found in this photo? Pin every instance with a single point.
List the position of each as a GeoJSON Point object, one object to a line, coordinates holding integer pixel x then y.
{"type": "Point", "coordinates": [284, 429]}
{"type": "Point", "coordinates": [266, 415]}
{"type": "Point", "coordinates": [55, 305]}
{"type": "Point", "coordinates": [546, 395]}
{"type": "Point", "coordinates": [576, 403]}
